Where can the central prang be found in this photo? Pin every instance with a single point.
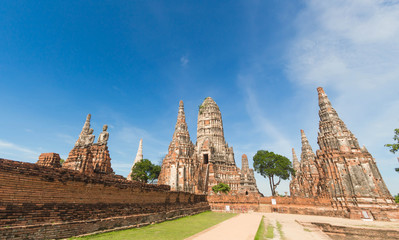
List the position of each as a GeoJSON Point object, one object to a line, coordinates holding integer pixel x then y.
{"type": "Point", "coordinates": [197, 168]}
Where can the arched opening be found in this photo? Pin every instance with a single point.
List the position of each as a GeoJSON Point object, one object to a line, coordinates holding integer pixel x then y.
{"type": "Point", "coordinates": [206, 159]}
{"type": "Point", "coordinates": [246, 192]}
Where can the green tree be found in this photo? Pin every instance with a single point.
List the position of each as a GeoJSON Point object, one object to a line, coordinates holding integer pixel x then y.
{"type": "Point", "coordinates": [394, 147]}
{"type": "Point", "coordinates": [145, 171]}
{"type": "Point", "coordinates": [221, 187]}
{"type": "Point", "coordinates": [62, 161]}
{"type": "Point", "coordinates": [271, 165]}
{"type": "Point", "coordinates": [397, 198]}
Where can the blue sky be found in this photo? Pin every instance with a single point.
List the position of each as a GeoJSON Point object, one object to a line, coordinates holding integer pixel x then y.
{"type": "Point", "coordinates": [128, 63]}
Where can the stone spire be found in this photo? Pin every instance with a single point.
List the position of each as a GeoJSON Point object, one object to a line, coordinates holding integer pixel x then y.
{"type": "Point", "coordinates": [139, 154]}
{"type": "Point", "coordinates": [295, 187]}
{"type": "Point", "coordinates": [139, 157]}
{"type": "Point", "coordinates": [351, 176]}
{"type": "Point", "coordinates": [309, 171]}
{"type": "Point", "coordinates": [247, 178]}
{"type": "Point", "coordinates": [244, 163]}
{"type": "Point", "coordinates": [333, 133]}
{"type": "Point", "coordinates": [179, 157]}
{"type": "Point", "coordinates": [307, 155]}
{"type": "Point", "coordinates": [295, 161]}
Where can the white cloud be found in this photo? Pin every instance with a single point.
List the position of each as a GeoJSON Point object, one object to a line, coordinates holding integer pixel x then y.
{"type": "Point", "coordinates": [184, 61]}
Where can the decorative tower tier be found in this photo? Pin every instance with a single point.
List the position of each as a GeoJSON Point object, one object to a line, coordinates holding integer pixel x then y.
{"type": "Point", "coordinates": [211, 145]}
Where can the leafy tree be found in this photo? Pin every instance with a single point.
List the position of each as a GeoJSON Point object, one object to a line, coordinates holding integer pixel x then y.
{"type": "Point", "coordinates": [145, 171]}
{"type": "Point", "coordinates": [394, 147]}
{"type": "Point", "coordinates": [271, 165]}
{"type": "Point", "coordinates": [397, 198]}
{"type": "Point", "coordinates": [221, 187]}
{"type": "Point", "coordinates": [62, 161]}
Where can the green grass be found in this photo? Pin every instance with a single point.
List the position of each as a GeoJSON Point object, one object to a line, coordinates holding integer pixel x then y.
{"type": "Point", "coordinates": [262, 233]}
{"type": "Point", "coordinates": [307, 230]}
{"type": "Point", "coordinates": [279, 229]}
{"type": "Point", "coordinates": [176, 229]}
{"type": "Point", "coordinates": [270, 231]}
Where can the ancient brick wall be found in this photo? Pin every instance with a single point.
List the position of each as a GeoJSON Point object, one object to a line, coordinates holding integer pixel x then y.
{"type": "Point", "coordinates": [38, 202]}
{"type": "Point", "coordinates": [296, 205]}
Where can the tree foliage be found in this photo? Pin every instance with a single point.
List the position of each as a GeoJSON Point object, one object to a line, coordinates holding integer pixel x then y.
{"type": "Point", "coordinates": [397, 198]}
{"type": "Point", "coordinates": [144, 171]}
{"type": "Point", "coordinates": [394, 147]}
{"type": "Point", "coordinates": [271, 165]}
{"type": "Point", "coordinates": [221, 187]}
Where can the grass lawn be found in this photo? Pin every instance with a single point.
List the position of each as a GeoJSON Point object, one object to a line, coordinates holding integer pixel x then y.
{"type": "Point", "coordinates": [264, 233]}
{"type": "Point", "coordinates": [176, 229]}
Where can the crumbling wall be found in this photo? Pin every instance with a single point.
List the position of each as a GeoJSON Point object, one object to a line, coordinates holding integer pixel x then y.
{"type": "Point", "coordinates": [38, 202]}
{"type": "Point", "coordinates": [297, 205]}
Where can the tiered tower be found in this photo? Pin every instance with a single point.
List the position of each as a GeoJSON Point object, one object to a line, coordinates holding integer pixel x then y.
{"type": "Point", "coordinates": [211, 145]}
{"type": "Point", "coordinates": [248, 182]}
{"type": "Point", "coordinates": [309, 172]}
{"type": "Point", "coordinates": [350, 173]}
{"type": "Point", "coordinates": [211, 161]}
{"type": "Point", "coordinates": [212, 149]}
{"type": "Point", "coordinates": [295, 187]}
{"type": "Point", "coordinates": [179, 165]}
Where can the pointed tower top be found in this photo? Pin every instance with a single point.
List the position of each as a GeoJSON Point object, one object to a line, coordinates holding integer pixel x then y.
{"type": "Point", "coordinates": [295, 161]}
{"type": "Point", "coordinates": [181, 116]}
{"type": "Point", "coordinates": [306, 148]}
{"type": "Point", "coordinates": [333, 133]}
{"type": "Point", "coordinates": [139, 155]}
{"type": "Point", "coordinates": [244, 163]}
{"type": "Point", "coordinates": [320, 90]}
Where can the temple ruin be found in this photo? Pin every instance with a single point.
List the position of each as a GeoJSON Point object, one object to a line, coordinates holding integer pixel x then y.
{"type": "Point", "coordinates": [89, 157]}
{"type": "Point", "coordinates": [341, 170]}
{"type": "Point", "coordinates": [197, 168]}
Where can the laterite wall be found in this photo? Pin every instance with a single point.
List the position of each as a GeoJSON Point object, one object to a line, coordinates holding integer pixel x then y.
{"type": "Point", "coordinates": [39, 202]}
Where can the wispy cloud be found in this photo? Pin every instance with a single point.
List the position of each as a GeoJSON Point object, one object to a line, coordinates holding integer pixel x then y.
{"type": "Point", "coordinates": [67, 138]}
{"type": "Point", "coordinates": [257, 114]}
{"type": "Point", "coordinates": [13, 150]}
{"type": "Point", "coordinates": [184, 61]}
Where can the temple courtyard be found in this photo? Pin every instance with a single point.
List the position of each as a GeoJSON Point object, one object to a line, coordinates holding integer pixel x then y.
{"type": "Point", "coordinates": [245, 226]}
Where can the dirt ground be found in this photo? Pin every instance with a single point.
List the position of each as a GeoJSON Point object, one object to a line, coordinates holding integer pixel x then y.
{"type": "Point", "coordinates": [298, 227]}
